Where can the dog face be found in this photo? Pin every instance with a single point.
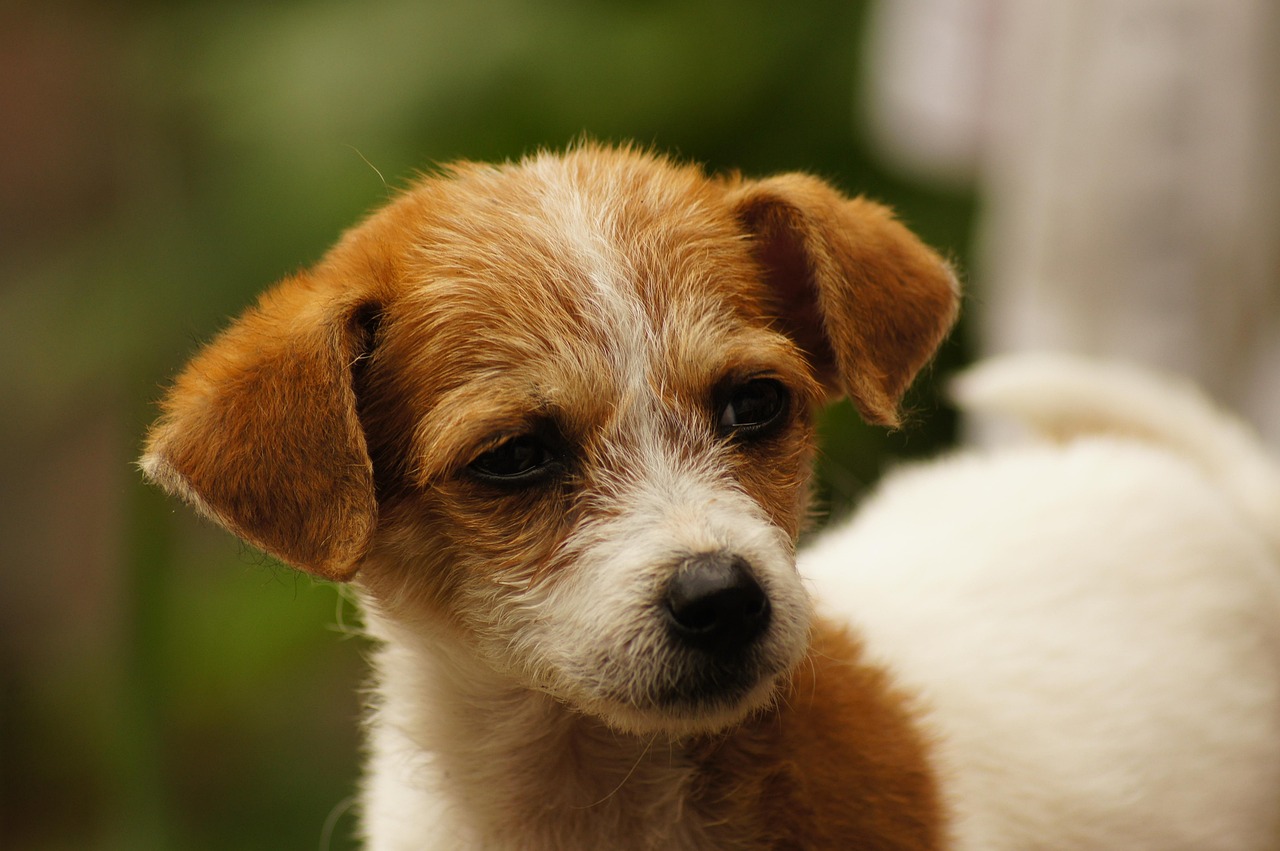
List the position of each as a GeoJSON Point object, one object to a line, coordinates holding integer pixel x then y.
{"type": "Point", "coordinates": [560, 413]}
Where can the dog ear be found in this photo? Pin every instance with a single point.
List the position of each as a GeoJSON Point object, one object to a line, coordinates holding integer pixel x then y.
{"type": "Point", "coordinates": [260, 431]}
{"type": "Point", "coordinates": [865, 299]}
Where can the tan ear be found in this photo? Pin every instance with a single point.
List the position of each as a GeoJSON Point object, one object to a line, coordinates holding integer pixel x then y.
{"type": "Point", "coordinates": [859, 292]}
{"type": "Point", "coordinates": [260, 432]}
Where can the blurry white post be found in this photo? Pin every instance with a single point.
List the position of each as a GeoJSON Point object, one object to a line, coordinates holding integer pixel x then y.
{"type": "Point", "coordinates": [1127, 155]}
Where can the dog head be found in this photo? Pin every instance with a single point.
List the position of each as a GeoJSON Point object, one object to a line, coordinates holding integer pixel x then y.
{"type": "Point", "coordinates": [560, 413]}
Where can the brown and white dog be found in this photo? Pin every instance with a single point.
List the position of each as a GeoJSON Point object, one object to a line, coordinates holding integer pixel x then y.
{"type": "Point", "coordinates": [554, 420]}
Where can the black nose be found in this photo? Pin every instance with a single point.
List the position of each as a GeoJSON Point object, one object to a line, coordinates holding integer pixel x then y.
{"type": "Point", "coordinates": [715, 603]}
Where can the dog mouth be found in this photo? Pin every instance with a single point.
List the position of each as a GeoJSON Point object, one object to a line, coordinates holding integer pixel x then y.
{"type": "Point", "coordinates": [719, 618]}
{"type": "Point", "coordinates": [718, 682]}
{"type": "Point", "coordinates": [696, 691]}
{"type": "Point", "coordinates": [705, 648]}
{"type": "Point", "coordinates": [676, 680]}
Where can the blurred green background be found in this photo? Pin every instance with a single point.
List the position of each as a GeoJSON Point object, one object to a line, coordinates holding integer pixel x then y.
{"type": "Point", "coordinates": [162, 686]}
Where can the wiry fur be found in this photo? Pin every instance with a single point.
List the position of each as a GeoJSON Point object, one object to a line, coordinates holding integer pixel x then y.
{"type": "Point", "coordinates": [1038, 650]}
{"type": "Point", "coordinates": [529, 691]}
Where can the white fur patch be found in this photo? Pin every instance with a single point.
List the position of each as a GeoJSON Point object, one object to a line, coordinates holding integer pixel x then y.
{"type": "Point", "coordinates": [1093, 628]}
{"type": "Point", "coordinates": [582, 228]}
{"type": "Point", "coordinates": [621, 564]}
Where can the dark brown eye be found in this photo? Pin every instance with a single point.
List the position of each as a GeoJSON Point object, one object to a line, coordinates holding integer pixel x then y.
{"type": "Point", "coordinates": [522, 459]}
{"type": "Point", "coordinates": [754, 408]}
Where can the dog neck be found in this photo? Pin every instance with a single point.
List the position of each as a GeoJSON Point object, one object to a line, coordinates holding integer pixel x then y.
{"type": "Point", "coordinates": [499, 765]}
{"type": "Point", "coordinates": [462, 754]}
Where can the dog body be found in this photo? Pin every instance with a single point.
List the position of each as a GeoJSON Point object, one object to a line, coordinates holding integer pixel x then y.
{"type": "Point", "coordinates": [1091, 622]}
{"type": "Point", "coordinates": [554, 420]}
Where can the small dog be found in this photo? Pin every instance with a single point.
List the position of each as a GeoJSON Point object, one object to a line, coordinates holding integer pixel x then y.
{"type": "Point", "coordinates": [554, 420]}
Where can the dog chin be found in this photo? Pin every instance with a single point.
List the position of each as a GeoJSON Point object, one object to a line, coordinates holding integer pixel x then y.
{"type": "Point", "coordinates": [700, 706]}
{"type": "Point", "coordinates": [687, 719]}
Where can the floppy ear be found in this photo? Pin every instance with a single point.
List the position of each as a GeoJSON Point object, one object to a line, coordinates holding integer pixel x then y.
{"type": "Point", "coordinates": [866, 300]}
{"type": "Point", "coordinates": [260, 432]}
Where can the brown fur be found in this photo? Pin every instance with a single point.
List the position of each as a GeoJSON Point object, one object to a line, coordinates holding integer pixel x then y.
{"type": "Point", "coordinates": [296, 479]}
{"type": "Point", "coordinates": [866, 299]}
{"type": "Point", "coordinates": [331, 425]}
{"type": "Point", "coordinates": [839, 757]}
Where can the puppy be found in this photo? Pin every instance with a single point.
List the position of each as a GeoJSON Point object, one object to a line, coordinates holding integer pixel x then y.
{"type": "Point", "coordinates": [553, 420]}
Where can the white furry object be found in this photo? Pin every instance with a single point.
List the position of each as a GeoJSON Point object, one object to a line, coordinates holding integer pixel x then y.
{"type": "Point", "coordinates": [1092, 625]}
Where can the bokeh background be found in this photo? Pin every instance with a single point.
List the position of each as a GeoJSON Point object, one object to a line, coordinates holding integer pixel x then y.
{"type": "Point", "coordinates": [161, 685]}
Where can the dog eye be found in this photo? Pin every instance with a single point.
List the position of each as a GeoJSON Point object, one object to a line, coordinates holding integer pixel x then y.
{"type": "Point", "coordinates": [519, 460]}
{"type": "Point", "coordinates": [754, 407]}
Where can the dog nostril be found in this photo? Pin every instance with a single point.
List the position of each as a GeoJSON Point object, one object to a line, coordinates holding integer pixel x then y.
{"type": "Point", "coordinates": [714, 601]}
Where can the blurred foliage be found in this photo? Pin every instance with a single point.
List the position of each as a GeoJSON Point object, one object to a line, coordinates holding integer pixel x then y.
{"type": "Point", "coordinates": [162, 686]}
